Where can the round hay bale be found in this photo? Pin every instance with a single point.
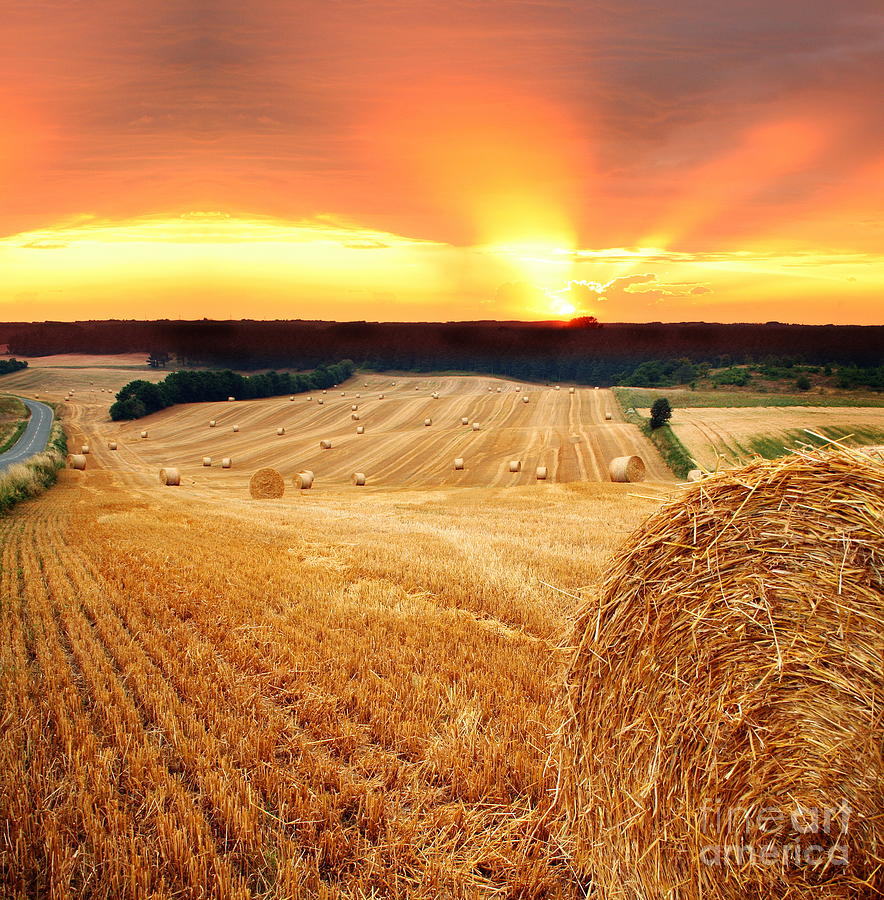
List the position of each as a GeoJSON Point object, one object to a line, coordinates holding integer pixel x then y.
{"type": "Point", "coordinates": [77, 461]}
{"type": "Point", "coordinates": [144, 434]}
{"type": "Point", "coordinates": [428, 421]}
{"type": "Point", "coordinates": [111, 445]}
{"type": "Point", "coordinates": [458, 462]}
{"type": "Point", "coordinates": [490, 389]}
{"type": "Point", "coordinates": [303, 481]}
{"type": "Point", "coordinates": [518, 387]}
{"type": "Point", "coordinates": [354, 417]}
{"type": "Point", "coordinates": [84, 449]}
{"type": "Point", "coordinates": [541, 472]}
{"type": "Point", "coordinates": [608, 417]}
{"type": "Point", "coordinates": [359, 478]}
{"type": "Point", "coordinates": [325, 445]}
{"type": "Point", "coordinates": [627, 469]}
{"type": "Point", "coordinates": [170, 476]}
{"type": "Point", "coordinates": [266, 484]}
{"type": "Point", "coordinates": [325, 392]}
{"type": "Point", "coordinates": [358, 396]}
{"type": "Point", "coordinates": [226, 462]}
{"type": "Point", "coordinates": [212, 423]}
{"type": "Point", "coordinates": [722, 733]}
{"type": "Point", "coordinates": [231, 399]}
{"type": "Point", "coordinates": [235, 428]}
{"type": "Point", "coordinates": [380, 396]}
{"type": "Point", "coordinates": [320, 401]}
{"type": "Point", "coordinates": [435, 395]}
{"type": "Point", "coordinates": [695, 475]}
{"type": "Point", "coordinates": [556, 388]}
{"type": "Point", "coordinates": [499, 390]}
{"type": "Point", "coordinates": [464, 420]}
{"type": "Point", "coordinates": [354, 407]}
{"type": "Point", "coordinates": [207, 460]}
{"type": "Point", "coordinates": [476, 426]}
{"type": "Point", "coordinates": [360, 429]}
{"type": "Point", "coordinates": [525, 399]}
{"type": "Point", "coordinates": [280, 431]}
{"type": "Point", "coordinates": [596, 388]}
{"type": "Point", "coordinates": [515, 465]}
{"type": "Point", "coordinates": [292, 399]}
{"type": "Point", "coordinates": [570, 390]}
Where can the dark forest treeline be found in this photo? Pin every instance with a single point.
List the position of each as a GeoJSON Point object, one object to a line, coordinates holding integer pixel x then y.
{"type": "Point", "coordinates": [12, 365]}
{"type": "Point", "coordinates": [140, 398]}
{"type": "Point", "coordinates": [539, 351]}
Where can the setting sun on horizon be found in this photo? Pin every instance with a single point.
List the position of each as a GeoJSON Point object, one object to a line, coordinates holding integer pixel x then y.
{"type": "Point", "coordinates": [497, 161]}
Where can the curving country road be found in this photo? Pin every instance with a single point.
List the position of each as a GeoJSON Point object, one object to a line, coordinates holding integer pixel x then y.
{"type": "Point", "coordinates": [35, 436]}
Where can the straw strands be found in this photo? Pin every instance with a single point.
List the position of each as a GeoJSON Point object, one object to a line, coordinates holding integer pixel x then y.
{"type": "Point", "coordinates": [627, 469]}
{"type": "Point", "coordinates": [723, 702]}
{"type": "Point", "coordinates": [77, 461]}
{"type": "Point", "coordinates": [266, 484]}
{"type": "Point", "coordinates": [170, 476]}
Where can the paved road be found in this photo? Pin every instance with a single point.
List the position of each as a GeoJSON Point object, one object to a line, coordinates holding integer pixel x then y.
{"type": "Point", "coordinates": [34, 437]}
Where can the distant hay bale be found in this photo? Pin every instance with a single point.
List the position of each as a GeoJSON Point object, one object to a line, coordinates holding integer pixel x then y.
{"type": "Point", "coordinates": [111, 445]}
{"type": "Point", "coordinates": [515, 465]}
{"type": "Point", "coordinates": [464, 420]}
{"type": "Point", "coordinates": [235, 428]}
{"type": "Point", "coordinates": [320, 401]}
{"type": "Point", "coordinates": [380, 396]}
{"type": "Point", "coordinates": [325, 445]}
{"type": "Point", "coordinates": [525, 399]}
{"type": "Point", "coordinates": [354, 417]}
{"type": "Point", "coordinates": [695, 475]}
{"type": "Point", "coordinates": [226, 462]}
{"type": "Point", "coordinates": [231, 399]}
{"type": "Point", "coordinates": [144, 434]}
{"type": "Point", "coordinates": [354, 407]}
{"type": "Point", "coordinates": [358, 478]}
{"type": "Point", "coordinates": [490, 389]}
{"type": "Point", "coordinates": [360, 429]}
{"type": "Point", "coordinates": [596, 388]}
{"type": "Point", "coordinates": [325, 392]}
{"type": "Point", "coordinates": [476, 426]}
{"type": "Point", "coordinates": [309, 399]}
{"type": "Point", "coordinates": [428, 421]}
{"type": "Point", "coordinates": [77, 461]}
{"type": "Point", "coordinates": [499, 390]}
{"type": "Point", "coordinates": [280, 431]}
{"type": "Point", "coordinates": [303, 481]}
{"type": "Point", "coordinates": [722, 735]}
{"type": "Point", "coordinates": [84, 449]}
{"type": "Point", "coordinates": [608, 417]}
{"type": "Point", "coordinates": [212, 423]}
{"type": "Point", "coordinates": [292, 398]}
{"type": "Point", "coordinates": [518, 387]}
{"type": "Point", "coordinates": [207, 460]}
{"type": "Point", "coordinates": [358, 396]}
{"type": "Point", "coordinates": [540, 473]}
{"type": "Point", "coordinates": [570, 390]}
{"type": "Point", "coordinates": [266, 484]}
{"type": "Point", "coordinates": [170, 476]}
{"type": "Point", "coordinates": [458, 462]}
{"type": "Point", "coordinates": [627, 469]}
{"type": "Point", "coordinates": [556, 388]}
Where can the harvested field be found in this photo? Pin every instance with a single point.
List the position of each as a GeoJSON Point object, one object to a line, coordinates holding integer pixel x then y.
{"type": "Point", "coordinates": [739, 434]}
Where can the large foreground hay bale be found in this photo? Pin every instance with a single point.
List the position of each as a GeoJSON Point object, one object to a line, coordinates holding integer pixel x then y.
{"type": "Point", "coordinates": [359, 479]}
{"type": "Point", "coordinates": [627, 469]}
{"type": "Point", "coordinates": [266, 484]}
{"type": "Point", "coordinates": [77, 461]}
{"type": "Point", "coordinates": [724, 702]}
{"type": "Point", "coordinates": [303, 481]}
{"type": "Point", "coordinates": [170, 476]}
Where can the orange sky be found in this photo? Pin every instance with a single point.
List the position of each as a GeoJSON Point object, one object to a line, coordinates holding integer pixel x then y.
{"type": "Point", "coordinates": [412, 160]}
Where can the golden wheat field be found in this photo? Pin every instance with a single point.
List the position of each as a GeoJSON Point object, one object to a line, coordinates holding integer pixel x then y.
{"type": "Point", "coordinates": [348, 692]}
{"type": "Point", "coordinates": [736, 433]}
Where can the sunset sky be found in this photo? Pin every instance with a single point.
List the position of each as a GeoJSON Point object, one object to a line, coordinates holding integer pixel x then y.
{"type": "Point", "coordinates": [466, 159]}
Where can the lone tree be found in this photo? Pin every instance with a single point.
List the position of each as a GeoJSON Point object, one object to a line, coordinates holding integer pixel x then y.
{"type": "Point", "coordinates": [661, 412]}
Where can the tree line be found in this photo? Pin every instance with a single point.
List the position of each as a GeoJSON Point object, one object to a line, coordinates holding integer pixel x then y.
{"type": "Point", "coordinates": [140, 398]}
{"type": "Point", "coordinates": [12, 365]}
